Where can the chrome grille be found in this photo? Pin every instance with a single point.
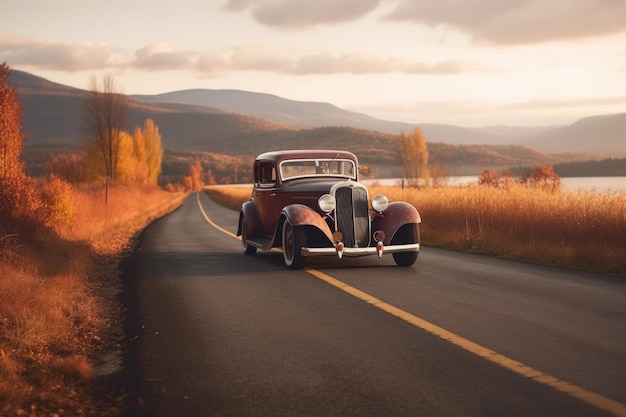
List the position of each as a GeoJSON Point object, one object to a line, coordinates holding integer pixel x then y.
{"type": "Point", "coordinates": [352, 216]}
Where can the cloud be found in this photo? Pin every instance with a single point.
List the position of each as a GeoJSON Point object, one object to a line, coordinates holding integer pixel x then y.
{"type": "Point", "coordinates": [161, 57]}
{"type": "Point", "coordinates": [517, 21]}
{"type": "Point", "coordinates": [257, 58]}
{"type": "Point", "coordinates": [68, 57]}
{"type": "Point", "coordinates": [298, 14]}
{"type": "Point", "coordinates": [371, 64]}
{"type": "Point", "coordinates": [56, 56]}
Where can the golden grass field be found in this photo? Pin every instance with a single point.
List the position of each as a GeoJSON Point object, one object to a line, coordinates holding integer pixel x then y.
{"type": "Point", "coordinates": [60, 308]}
{"type": "Point", "coordinates": [571, 229]}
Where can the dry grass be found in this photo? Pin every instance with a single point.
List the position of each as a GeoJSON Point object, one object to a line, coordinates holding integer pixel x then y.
{"type": "Point", "coordinates": [231, 197]}
{"type": "Point", "coordinates": [579, 230]}
{"type": "Point", "coordinates": [57, 310]}
{"type": "Point", "coordinates": [106, 227]}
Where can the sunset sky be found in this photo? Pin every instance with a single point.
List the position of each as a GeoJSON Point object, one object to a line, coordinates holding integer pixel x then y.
{"type": "Point", "coordinates": [463, 62]}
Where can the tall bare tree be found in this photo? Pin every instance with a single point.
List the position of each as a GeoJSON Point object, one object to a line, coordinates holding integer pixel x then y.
{"type": "Point", "coordinates": [105, 116]}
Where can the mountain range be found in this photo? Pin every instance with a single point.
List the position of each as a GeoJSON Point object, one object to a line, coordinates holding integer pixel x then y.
{"type": "Point", "coordinates": [605, 135]}
{"type": "Point", "coordinates": [246, 123]}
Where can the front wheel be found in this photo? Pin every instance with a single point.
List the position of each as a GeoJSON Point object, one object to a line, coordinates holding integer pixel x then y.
{"type": "Point", "coordinates": [405, 258]}
{"type": "Point", "coordinates": [294, 238]}
{"type": "Point", "coordinates": [409, 233]}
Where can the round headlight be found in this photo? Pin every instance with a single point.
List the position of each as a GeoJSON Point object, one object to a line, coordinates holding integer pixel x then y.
{"type": "Point", "coordinates": [326, 203]}
{"type": "Point", "coordinates": [380, 203]}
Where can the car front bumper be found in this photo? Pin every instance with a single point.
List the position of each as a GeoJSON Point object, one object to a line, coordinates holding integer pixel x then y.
{"type": "Point", "coordinates": [379, 250]}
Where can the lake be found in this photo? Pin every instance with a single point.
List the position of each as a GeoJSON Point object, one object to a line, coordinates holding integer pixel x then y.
{"type": "Point", "coordinates": [595, 184]}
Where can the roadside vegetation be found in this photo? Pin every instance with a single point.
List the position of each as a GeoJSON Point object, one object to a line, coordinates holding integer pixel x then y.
{"type": "Point", "coordinates": [534, 221]}
{"type": "Point", "coordinates": [60, 307]}
{"type": "Point", "coordinates": [61, 240]}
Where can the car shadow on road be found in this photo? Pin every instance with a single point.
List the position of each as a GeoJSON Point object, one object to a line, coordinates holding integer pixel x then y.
{"type": "Point", "coordinates": [194, 264]}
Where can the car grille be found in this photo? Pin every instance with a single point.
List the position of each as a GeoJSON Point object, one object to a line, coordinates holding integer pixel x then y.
{"type": "Point", "coordinates": [352, 216]}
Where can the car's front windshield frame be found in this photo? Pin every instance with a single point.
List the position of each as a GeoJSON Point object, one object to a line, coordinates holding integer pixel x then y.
{"type": "Point", "coordinates": [317, 168]}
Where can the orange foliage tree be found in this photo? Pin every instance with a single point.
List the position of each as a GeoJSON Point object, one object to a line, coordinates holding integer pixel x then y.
{"type": "Point", "coordinates": [139, 159]}
{"type": "Point", "coordinates": [153, 150]}
{"type": "Point", "coordinates": [542, 176]}
{"type": "Point", "coordinates": [19, 203]}
{"type": "Point", "coordinates": [413, 154]}
{"type": "Point", "coordinates": [489, 177]}
{"type": "Point", "coordinates": [195, 173]}
{"type": "Point", "coordinates": [11, 138]}
{"type": "Point", "coordinates": [140, 155]}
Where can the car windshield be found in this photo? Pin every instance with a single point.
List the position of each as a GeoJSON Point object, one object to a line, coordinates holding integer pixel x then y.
{"type": "Point", "coordinates": [299, 168]}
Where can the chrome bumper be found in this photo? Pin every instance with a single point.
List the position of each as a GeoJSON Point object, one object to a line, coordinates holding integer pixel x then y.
{"type": "Point", "coordinates": [379, 249]}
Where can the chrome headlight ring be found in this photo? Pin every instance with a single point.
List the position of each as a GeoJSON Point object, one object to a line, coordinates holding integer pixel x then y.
{"type": "Point", "coordinates": [380, 203]}
{"type": "Point", "coordinates": [326, 203]}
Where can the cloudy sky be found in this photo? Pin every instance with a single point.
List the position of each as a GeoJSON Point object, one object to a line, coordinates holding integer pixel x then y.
{"type": "Point", "coordinates": [464, 62]}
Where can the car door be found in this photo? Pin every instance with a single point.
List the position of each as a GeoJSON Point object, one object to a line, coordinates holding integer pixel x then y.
{"type": "Point", "coordinates": [264, 195]}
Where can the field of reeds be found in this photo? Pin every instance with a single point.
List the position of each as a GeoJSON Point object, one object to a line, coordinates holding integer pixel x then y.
{"type": "Point", "coordinates": [60, 306]}
{"type": "Point", "coordinates": [571, 229]}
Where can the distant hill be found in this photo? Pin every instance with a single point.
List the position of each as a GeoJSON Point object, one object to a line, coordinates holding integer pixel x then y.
{"type": "Point", "coordinates": [606, 131]}
{"type": "Point", "coordinates": [53, 115]}
{"type": "Point", "coordinates": [313, 114]}
{"type": "Point", "coordinates": [605, 135]}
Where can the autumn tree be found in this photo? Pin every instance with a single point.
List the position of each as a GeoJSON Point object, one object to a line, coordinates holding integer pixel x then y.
{"type": "Point", "coordinates": [129, 170]}
{"type": "Point", "coordinates": [140, 155]}
{"type": "Point", "coordinates": [413, 154]}
{"type": "Point", "coordinates": [489, 177]}
{"type": "Point", "coordinates": [195, 173]}
{"type": "Point", "coordinates": [105, 115]}
{"type": "Point", "coordinates": [153, 150]}
{"type": "Point", "coordinates": [11, 138]}
{"type": "Point", "coordinates": [20, 205]}
{"type": "Point", "coordinates": [543, 177]}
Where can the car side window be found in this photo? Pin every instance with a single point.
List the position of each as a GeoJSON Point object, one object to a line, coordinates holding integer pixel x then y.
{"type": "Point", "coordinates": [267, 174]}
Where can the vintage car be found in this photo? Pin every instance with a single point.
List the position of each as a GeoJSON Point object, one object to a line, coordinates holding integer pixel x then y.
{"type": "Point", "coordinates": [311, 203]}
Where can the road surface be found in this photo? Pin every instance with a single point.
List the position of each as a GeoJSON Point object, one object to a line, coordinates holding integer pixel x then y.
{"type": "Point", "coordinates": [225, 334]}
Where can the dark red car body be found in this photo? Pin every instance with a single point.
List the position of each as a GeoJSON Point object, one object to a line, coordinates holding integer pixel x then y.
{"type": "Point", "coordinates": [284, 211]}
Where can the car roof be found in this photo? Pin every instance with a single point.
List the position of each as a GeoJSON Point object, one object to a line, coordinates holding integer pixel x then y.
{"type": "Point", "coordinates": [305, 154]}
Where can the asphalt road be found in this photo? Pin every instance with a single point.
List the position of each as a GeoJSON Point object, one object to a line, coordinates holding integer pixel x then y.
{"type": "Point", "coordinates": [225, 334]}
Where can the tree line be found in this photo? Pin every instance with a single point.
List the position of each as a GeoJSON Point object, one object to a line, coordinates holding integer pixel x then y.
{"type": "Point", "coordinates": [113, 155]}
{"type": "Point", "coordinates": [414, 155]}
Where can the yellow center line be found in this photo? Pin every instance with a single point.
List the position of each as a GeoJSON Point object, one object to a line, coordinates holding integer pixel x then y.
{"type": "Point", "coordinates": [211, 222]}
{"type": "Point", "coordinates": [592, 398]}
{"type": "Point", "coordinates": [583, 394]}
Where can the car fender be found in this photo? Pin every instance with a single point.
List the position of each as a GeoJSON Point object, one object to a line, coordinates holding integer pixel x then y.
{"type": "Point", "coordinates": [393, 218]}
{"type": "Point", "coordinates": [249, 211]}
{"type": "Point", "coordinates": [302, 215]}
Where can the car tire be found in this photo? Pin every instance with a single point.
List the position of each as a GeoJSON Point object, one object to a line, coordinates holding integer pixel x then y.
{"type": "Point", "coordinates": [406, 235]}
{"type": "Point", "coordinates": [247, 248]}
{"type": "Point", "coordinates": [293, 238]}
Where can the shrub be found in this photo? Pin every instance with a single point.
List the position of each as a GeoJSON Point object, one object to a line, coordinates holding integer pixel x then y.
{"type": "Point", "coordinates": [58, 198]}
{"type": "Point", "coordinates": [68, 167]}
{"type": "Point", "coordinates": [21, 209]}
